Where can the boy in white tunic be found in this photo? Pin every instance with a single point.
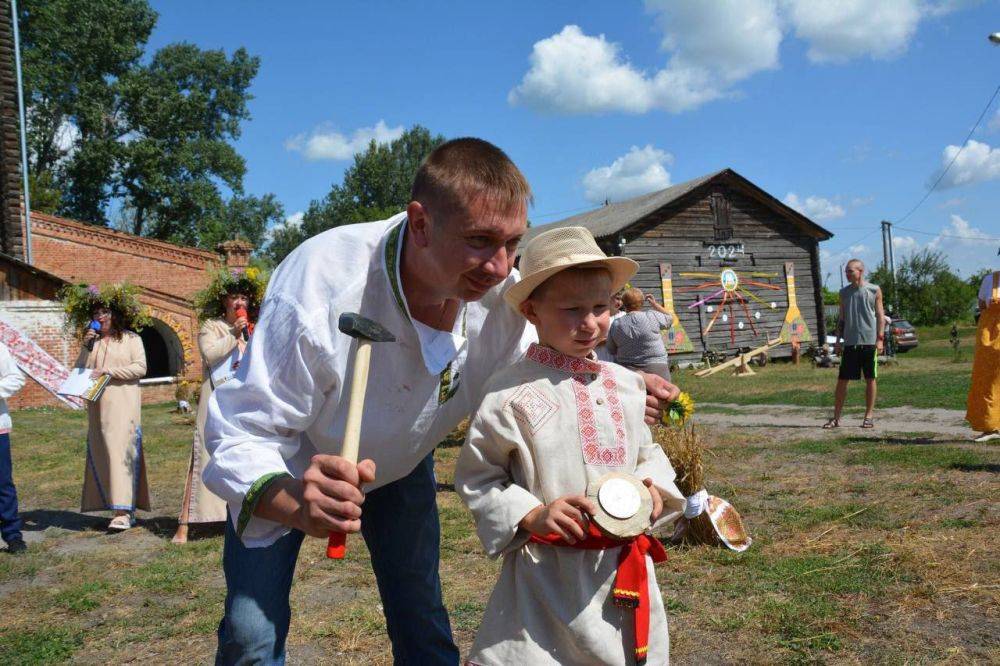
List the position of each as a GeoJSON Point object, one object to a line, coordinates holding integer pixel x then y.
{"type": "Point", "coordinates": [549, 424]}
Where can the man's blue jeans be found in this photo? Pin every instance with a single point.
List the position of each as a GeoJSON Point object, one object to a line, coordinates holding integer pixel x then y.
{"type": "Point", "coordinates": [400, 525]}
{"type": "Point", "coordinates": [10, 522]}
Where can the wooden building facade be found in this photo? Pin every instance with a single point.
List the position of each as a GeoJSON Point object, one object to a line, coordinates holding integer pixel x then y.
{"type": "Point", "coordinates": [718, 251]}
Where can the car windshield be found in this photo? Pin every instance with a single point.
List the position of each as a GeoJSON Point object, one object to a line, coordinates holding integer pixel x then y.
{"type": "Point", "coordinates": [902, 323]}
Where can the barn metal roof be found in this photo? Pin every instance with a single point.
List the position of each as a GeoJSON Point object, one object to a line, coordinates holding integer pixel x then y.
{"type": "Point", "coordinates": [611, 219]}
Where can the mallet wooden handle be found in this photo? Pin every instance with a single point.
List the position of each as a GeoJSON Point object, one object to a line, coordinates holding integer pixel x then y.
{"type": "Point", "coordinates": [337, 546]}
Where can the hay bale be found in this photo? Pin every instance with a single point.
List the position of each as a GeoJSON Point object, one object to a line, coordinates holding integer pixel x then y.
{"type": "Point", "coordinates": [684, 448]}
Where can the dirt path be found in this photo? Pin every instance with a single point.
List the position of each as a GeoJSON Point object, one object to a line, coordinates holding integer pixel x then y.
{"type": "Point", "coordinates": [943, 423]}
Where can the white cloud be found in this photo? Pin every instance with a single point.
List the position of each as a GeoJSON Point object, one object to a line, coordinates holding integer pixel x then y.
{"type": "Point", "coordinates": [954, 202]}
{"type": "Point", "coordinates": [295, 219]}
{"type": "Point", "coordinates": [965, 247]}
{"type": "Point", "coordinates": [325, 143]}
{"type": "Point", "coordinates": [639, 171]}
{"type": "Point", "coordinates": [712, 44]}
{"type": "Point", "coordinates": [711, 47]}
{"type": "Point", "coordinates": [66, 138]}
{"type": "Point", "coordinates": [904, 245]}
{"type": "Point", "coordinates": [846, 29]}
{"type": "Point", "coordinates": [994, 124]}
{"type": "Point", "coordinates": [815, 208]}
{"type": "Point", "coordinates": [858, 249]}
{"type": "Point", "coordinates": [575, 73]}
{"type": "Point", "coordinates": [978, 162]}
{"type": "Point", "coordinates": [858, 202]}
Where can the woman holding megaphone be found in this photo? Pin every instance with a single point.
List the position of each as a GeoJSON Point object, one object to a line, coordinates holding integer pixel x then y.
{"type": "Point", "coordinates": [227, 309]}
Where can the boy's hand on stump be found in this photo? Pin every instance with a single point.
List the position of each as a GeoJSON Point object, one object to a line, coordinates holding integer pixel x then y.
{"type": "Point", "coordinates": [567, 517]}
{"type": "Point", "coordinates": [657, 500]}
{"type": "Point", "coordinates": [332, 497]}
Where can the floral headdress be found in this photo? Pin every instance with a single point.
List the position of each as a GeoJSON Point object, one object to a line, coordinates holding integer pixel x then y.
{"type": "Point", "coordinates": [80, 301]}
{"type": "Point", "coordinates": [252, 282]}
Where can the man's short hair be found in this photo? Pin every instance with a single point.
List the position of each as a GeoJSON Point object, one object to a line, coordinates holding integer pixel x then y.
{"type": "Point", "coordinates": [464, 170]}
{"type": "Point", "coordinates": [860, 263]}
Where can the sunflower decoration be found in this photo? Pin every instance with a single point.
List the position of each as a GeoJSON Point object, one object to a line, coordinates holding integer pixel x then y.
{"type": "Point", "coordinates": [678, 411]}
{"type": "Point", "coordinates": [210, 302]}
{"type": "Point", "coordinates": [122, 298]}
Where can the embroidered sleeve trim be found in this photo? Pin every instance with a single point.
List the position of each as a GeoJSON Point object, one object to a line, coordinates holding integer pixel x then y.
{"type": "Point", "coordinates": [253, 496]}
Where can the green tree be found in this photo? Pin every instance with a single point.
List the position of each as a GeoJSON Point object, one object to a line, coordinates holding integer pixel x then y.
{"type": "Point", "coordinates": [245, 217]}
{"type": "Point", "coordinates": [108, 131]}
{"type": "Point", "coordinates": [929, 293]}
{"type": "Point", "coordinates": [181, 112]}
{"type": "Point", "coordinates": [376, 186]}
{"type": "Point", "coordinates": [73, 52]}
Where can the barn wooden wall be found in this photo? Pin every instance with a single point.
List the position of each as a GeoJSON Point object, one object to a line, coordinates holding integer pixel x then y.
{"type": "Point", "coordinates": [676, 235]}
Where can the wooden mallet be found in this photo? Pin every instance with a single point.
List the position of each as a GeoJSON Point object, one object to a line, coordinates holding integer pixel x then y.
{"type": "Point", "coordinates": [366, 331]}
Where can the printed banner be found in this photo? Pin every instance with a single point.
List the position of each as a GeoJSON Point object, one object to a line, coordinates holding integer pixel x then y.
{"type": "Point", "coordinates": [36, 362]}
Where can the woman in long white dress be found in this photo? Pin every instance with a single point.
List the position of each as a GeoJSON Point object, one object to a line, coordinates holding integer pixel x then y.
{"type": "Point", "coordinates": [217, 340]}
{"type": "Point", "coordinates": [115, 470]}
{"type": "Point", "coordinates": [227, 308]}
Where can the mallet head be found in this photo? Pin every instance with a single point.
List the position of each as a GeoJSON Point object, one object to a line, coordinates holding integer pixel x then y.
{"type": "Point", "coordinates": [356, 326]}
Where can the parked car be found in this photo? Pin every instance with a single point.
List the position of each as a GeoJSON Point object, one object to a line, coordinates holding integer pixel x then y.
{"type": "Point", "coordinates": [904, 335]}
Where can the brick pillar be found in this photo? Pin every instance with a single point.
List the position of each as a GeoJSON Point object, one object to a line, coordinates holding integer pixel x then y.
{"type": "Point", "coordinates": [11, 197]}
{"type": "Point", "coordinates": [236, 252]}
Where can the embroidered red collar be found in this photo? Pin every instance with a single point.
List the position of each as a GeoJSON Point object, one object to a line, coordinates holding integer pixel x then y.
{"type": "Point", "coordinates": [559, 361]}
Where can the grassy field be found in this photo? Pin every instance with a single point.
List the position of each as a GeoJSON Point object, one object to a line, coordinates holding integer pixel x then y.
{"type": "Point", "coordinates": [929, 376]}
{"type": "Point", "coordinates": [865, 551]}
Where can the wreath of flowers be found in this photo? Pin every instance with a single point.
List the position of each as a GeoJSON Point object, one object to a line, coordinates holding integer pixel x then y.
{"type": "Point", "coordinates": [210, 302]}
{"type": "Point", "coordinates": [122, 298]}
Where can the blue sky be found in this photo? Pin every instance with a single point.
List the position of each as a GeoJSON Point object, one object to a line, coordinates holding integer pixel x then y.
{"type": "Point", "coordinates": [845, 110]}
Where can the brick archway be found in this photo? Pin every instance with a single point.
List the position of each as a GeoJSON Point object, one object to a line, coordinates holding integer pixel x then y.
{"type": "Point", "coordinates": [177, 340]}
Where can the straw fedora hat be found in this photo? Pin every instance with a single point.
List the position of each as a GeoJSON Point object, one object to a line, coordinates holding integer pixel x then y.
{"type": "Point", "coordinates": [553, 251]}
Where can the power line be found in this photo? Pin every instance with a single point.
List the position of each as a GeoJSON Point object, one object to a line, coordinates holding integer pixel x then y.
{"type": "Point", "coordinates": [563, 212]}
{"type": "Point", "coordinates": [945, 235]}
{"type": "Point", "coordinates": [955, 157]}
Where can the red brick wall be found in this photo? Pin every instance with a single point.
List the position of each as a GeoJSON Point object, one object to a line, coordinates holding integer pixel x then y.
{"type": "Point", "coordinates": [80, 252]}
{"type": "Point", "coordinates": [170, 274]}
{"type": "Point", "coordinates": [76, 252]}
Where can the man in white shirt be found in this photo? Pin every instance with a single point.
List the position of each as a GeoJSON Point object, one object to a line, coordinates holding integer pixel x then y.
{"type": "Point", "coordinates": [433, 276]}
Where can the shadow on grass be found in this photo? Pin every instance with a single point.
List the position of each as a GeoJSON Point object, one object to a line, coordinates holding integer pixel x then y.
{"type": "Point", "coordinates": [41, 519]}
{"type": "Point", "coordinates": [916, 440]}
{"type": "Point", "coordinates": [164, 527]}
{"type": "Point", "coordinates": [993, 468]}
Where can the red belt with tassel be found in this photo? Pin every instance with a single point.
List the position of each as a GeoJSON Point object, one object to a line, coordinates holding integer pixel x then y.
{"type": "Point", "coordinates": [631, 588]}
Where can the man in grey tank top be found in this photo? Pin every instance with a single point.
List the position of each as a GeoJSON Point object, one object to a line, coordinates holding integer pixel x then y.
{"type": "Point", "coordinates": [862, 327]}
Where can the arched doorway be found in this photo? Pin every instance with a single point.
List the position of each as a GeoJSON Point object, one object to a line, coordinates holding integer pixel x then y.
{"type": "Point", "coordinates": [164, 352]}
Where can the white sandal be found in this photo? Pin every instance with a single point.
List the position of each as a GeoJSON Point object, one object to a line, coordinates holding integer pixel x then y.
{"type": "Point", "coordinates": [121, 523]}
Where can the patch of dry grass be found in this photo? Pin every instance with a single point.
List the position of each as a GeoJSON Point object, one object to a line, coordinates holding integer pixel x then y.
{"type": "Point", "coordinates": [864, 552]}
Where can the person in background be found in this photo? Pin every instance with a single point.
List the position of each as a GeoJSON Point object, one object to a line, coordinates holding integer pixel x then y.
{"type": "Point", "coordinates": [601, 350]}
{"type": "Point", "coordinates": [862, 326]}
{"type": "Point", "coordinates": [227, 308]}
{"type": "Point", "coordinates": [11, 381]}
{"type": "Point", "coordinates": [983, 404]}
{"type": "Point", "coordinates": [115, 469]}
{"type": "Point", "coordinates": [634, 339]}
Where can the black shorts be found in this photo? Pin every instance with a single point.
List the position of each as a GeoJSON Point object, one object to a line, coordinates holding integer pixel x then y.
{"type": "Point", "coordinates": [858, 360]}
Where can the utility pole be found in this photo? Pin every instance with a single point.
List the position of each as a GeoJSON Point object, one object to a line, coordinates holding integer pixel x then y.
{"type": "Point", "coordinates": [886, 244]}
{"type": "Point", "coordinates": [24, 132]}
{"type": "Point", "coordinates": [889, 261]}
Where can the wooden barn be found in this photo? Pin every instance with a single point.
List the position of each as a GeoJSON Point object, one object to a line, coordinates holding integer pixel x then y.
{"type": "Point", "coordinates": [737, 267]}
